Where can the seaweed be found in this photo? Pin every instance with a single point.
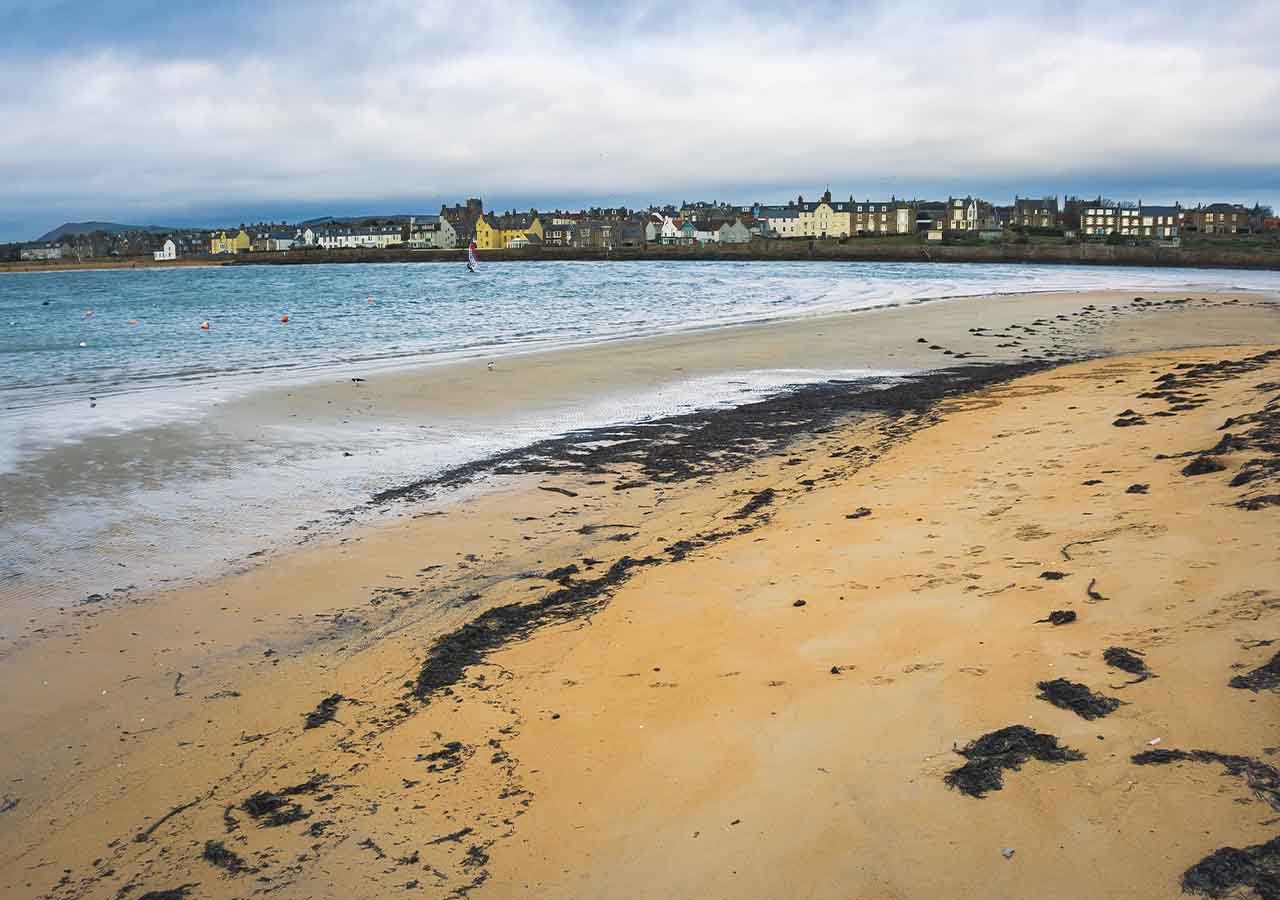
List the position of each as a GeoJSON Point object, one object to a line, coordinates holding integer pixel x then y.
{"type": "Point", "coordinates": [1262, 779]}
{"type": "Point", "coordinates": [1264, 678]}
{"type": "Point", "coordinates": [1007, 748]}
{"type": "Point", "coordinates": [1130, 661]}
{"type": "Point", "coordinates": [755, 504]}
{"type": "Point", "coordinates": [172, 894]}
{"type": "Point", "coordinates": [323, 713]}
{"type": "Point", "coordinates": [216, 853]}
{"type": "Point", "coordinates": [1224, 871]}
{"type": "Point", "coordinates": [453, 653]}
{"type": "Point", "coordinates": [271, 809]}
{"type": "Point", "coordinates": [1202, 465]}
{"type": "Point", "coordinates": [1053, 576]}
{"type": "Point", "coordinates": [1076, 697]}
{"type": "Point", "coordinates": [1058, 617]}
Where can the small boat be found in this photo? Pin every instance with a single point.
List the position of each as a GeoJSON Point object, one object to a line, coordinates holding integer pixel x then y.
{"type": "Point", "coordinates": [472, 261]}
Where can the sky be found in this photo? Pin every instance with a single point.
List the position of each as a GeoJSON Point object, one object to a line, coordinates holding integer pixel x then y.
{"type": "Point", "coordinates": [213, 114]}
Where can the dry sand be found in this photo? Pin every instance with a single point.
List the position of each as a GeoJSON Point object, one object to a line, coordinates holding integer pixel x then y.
{"type": "Point", "coordinates": [679, 730]}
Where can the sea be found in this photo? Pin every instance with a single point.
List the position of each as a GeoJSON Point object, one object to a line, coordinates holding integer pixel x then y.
{"type": "Point", "coordinates": [111, 476]}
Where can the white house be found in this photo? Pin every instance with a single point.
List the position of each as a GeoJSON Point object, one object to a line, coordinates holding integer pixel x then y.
{"type": "Point", "coordinates": [670, 232]}
{"type": "Point", "coordinates": [707, 232]}
{"type": "Point", "coordinates": [41, 251]}
{"type": "Point", "coordinates": [169, 250]}
{"type": "Point", "coordinates": [428, 232]}
{"type": "Point", "coordinates": [379, 237]}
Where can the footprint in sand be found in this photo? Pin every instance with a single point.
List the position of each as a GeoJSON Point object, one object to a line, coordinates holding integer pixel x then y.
{"type": "Point", "coordinates": [1030, 533]}
{"type": "Point", "coordinates": [881, 680]}
{"type": "Point", "coordinates": [921, 667]}
{"type": "Point", "coordinates": [973, 670]}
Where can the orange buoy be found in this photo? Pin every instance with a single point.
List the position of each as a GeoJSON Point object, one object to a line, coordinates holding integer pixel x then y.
{"type": "Point", "coordinates": [370, 300]}
{"type": "Point", "coordinates": [204, 326]}
{"type": "Point", "coordinates": [133, 321]}
{"type": "Point", "coordinates": [284, 318]}
{"type": "Point", "coordinates": [88, 312]}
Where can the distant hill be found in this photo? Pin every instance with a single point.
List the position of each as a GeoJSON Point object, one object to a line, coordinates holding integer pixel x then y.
{"type": "Point", "coordinates": [356, 220]}
{"type": "Point", "coordinates": [69, 228]}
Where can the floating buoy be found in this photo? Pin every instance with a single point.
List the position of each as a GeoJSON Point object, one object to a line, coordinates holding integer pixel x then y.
{"type": "Point", "coordinates": [88, 312]}
{"type": "Point", "coordinates": [133, 321]}
{"type": "Point", "coordinates": [284, 318]}
{"type": "Point", "coordinates": [83, 344]}
{"type": "Point", "coordinates": [204, 326]}
{"type": "Point", "coordinates": [370, 300]}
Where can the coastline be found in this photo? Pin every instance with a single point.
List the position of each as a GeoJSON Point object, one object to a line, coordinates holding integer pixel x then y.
{"type": "Point", "coordinates": [683, 706]}
{"type": "Point", "coordinates": [1222, 256]}
{"type": "Point", "coordinates": [343, 440]}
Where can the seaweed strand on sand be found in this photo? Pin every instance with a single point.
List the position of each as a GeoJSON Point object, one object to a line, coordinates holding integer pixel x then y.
{"type": "Point", "coordinates": [1006, 748]}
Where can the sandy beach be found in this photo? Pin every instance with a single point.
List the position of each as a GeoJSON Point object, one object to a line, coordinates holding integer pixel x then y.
{"type": "Point", "coordinates": [732, 654]}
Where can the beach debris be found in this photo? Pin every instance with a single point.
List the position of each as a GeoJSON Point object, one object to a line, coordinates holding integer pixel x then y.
{"type": "Point", "coordinates": [1093, 595]}
{"type": "Point", "coordinates": [451, 838]}
{"type": "Point", "coordinates": [451, 756]}
{"type": "Point", "coordinates": [1154, 741]}
{"type": "Point", "coordinates": [145, 835]}
{"type": "Point", "coordinates": [859, 513]}
{"type": "Point", "coordinates": [798, 603]}
{"type": "Point", "coordinates": [272, 809]}
{"type": "Point", "coordinates": [489, 366]}
{"type": "Point", "coordinates": [177, 893]}
{"type": "Point", "coordinates": [1137, 489]}
{"type": "Point", "coordinates": [1263, 780]}
{"type": "Point", "coordinates": [1225, 871]}
{"type": "Point", "coordinates": [1265, 677]}
{"type": "Point", "coordinates": [1076, 697]}
{"type": "Point", "coordinates": [557, 490]}
{"type": "Point", "coordinates": [1130, 661]}
{"type": "Point", "coordinates": [1007, 852]}
{"type": "Point", "coordinates": [324, 712]}
{"type": "Point", "coordinates": [755, 504]}
{"type": "Point", "coordinates": [1058, 617]}
{"type": "Point", "coordinates": [8, 803]}
{"type": "Point", "coordinates": [562, 573]}
{"type": "Point", "coordinates": [357, 380]}
{"type": "Point", "coordinates": [1202, 465]}
{"type": "Point", "coordinates": [216, 854]}
{"type": "Point", "coordinates": [1054, 576]}
{"type": "Point", "coordinates": [1006, 748]}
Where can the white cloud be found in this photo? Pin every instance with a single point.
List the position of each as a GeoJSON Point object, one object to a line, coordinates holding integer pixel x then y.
{"type": "Point", "coordinates": [418, 100]}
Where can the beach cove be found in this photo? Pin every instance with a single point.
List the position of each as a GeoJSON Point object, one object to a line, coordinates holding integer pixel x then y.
{"type": "Point", "coordinates": [725, 651]}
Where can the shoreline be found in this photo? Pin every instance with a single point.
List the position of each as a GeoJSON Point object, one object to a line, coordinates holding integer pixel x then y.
{"type": "Point", "coordinates": [543, 385]}
{"type": "Point", "coordinates": [685, 709]}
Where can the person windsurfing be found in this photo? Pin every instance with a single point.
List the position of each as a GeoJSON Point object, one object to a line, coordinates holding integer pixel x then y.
{"type": "Point", "coordinates": [472, 262]}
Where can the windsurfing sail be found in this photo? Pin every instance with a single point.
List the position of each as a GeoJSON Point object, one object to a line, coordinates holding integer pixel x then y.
{"type": "Point", "coordinates": [472, 261]}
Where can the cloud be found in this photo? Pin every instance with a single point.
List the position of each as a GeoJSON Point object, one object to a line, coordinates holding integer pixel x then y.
{"type": "Point", "coordinates": [159, 111]}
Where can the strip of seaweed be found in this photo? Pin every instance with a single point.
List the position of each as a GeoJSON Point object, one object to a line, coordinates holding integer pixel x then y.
{"type": "Point", "coordinates": [1130, 661]}
{"type": "Point", "coordinates": [755, 504]}
{"type": "Point", "coordinates": [704, 442]}
{"type": "Point", "coordinates": [1255, 432]}
{"type": "Point", "coordinates": [216, 854]}
{"type": "Point", "coordinates": [1007, 748]}
{"type": "Point", "coordinates": [1264, 678]}
{"type": "Point", "coordinates": [324, 712]}
{"type": "Point", "coordinates": [271, 809]}
{"type": "Point", "coordinates": [1225, 871]}
{"type": "Point", "coordinates": [1261, 778]}
{"type": "Point", "coordinates": [453, 653]}
{"type": "Point", "coordinates": [1076, 697]}
{"type": "Point", "coordinates": [1058, 617]}
{"type": "Point", "coordinates": [172, 894]}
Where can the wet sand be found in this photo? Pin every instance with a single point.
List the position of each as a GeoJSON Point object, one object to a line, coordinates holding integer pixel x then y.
{"type": "Point", "coordinates": [602, 682]}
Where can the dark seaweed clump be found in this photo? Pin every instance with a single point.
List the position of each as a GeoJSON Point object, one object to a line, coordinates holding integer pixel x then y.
{"type": "Point", "coordinates": [1130, 661]}
{"type": "Point", "coordinates": [453, 653]}
{"type": "Point", "coordinates": [272, 809]}
{"type": "Point", "coordinates": [1224, 871]}
{"type": "Point", "coordinates": [216, 853]}
{"type": "Point", "coordinates": [1058, 617]}
{"type": "Point", "coordinates": [755, 504]}
{"type": "Point", "coordinates": [1264, 678]}
{"type": "Point", "coordinates": [1261, 778]}
{"type": "Point", "coordinates": [323, 713]}
{"type": "Point", "coordinates": [1007, 748]}
{"type": "Point", "coordinates": [172, 894]}
{"type": "Point", "coordinates": [1076, 697]}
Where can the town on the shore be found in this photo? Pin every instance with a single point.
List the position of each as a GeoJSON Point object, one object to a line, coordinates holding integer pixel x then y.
{"type": "Point", "coordinates": [957, 220]}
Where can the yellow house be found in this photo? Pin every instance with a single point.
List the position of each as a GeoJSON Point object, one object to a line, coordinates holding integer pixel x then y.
{"type": "Point", "coordinates": [497, 232]}
{"type": "Point", "coordinates": [826, 218]}
{"type": "Point", "coordinates": [238, 243]}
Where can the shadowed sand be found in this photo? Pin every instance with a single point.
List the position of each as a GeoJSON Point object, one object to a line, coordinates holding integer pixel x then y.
{"type": "Point", "coordinates": [642, 706]}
